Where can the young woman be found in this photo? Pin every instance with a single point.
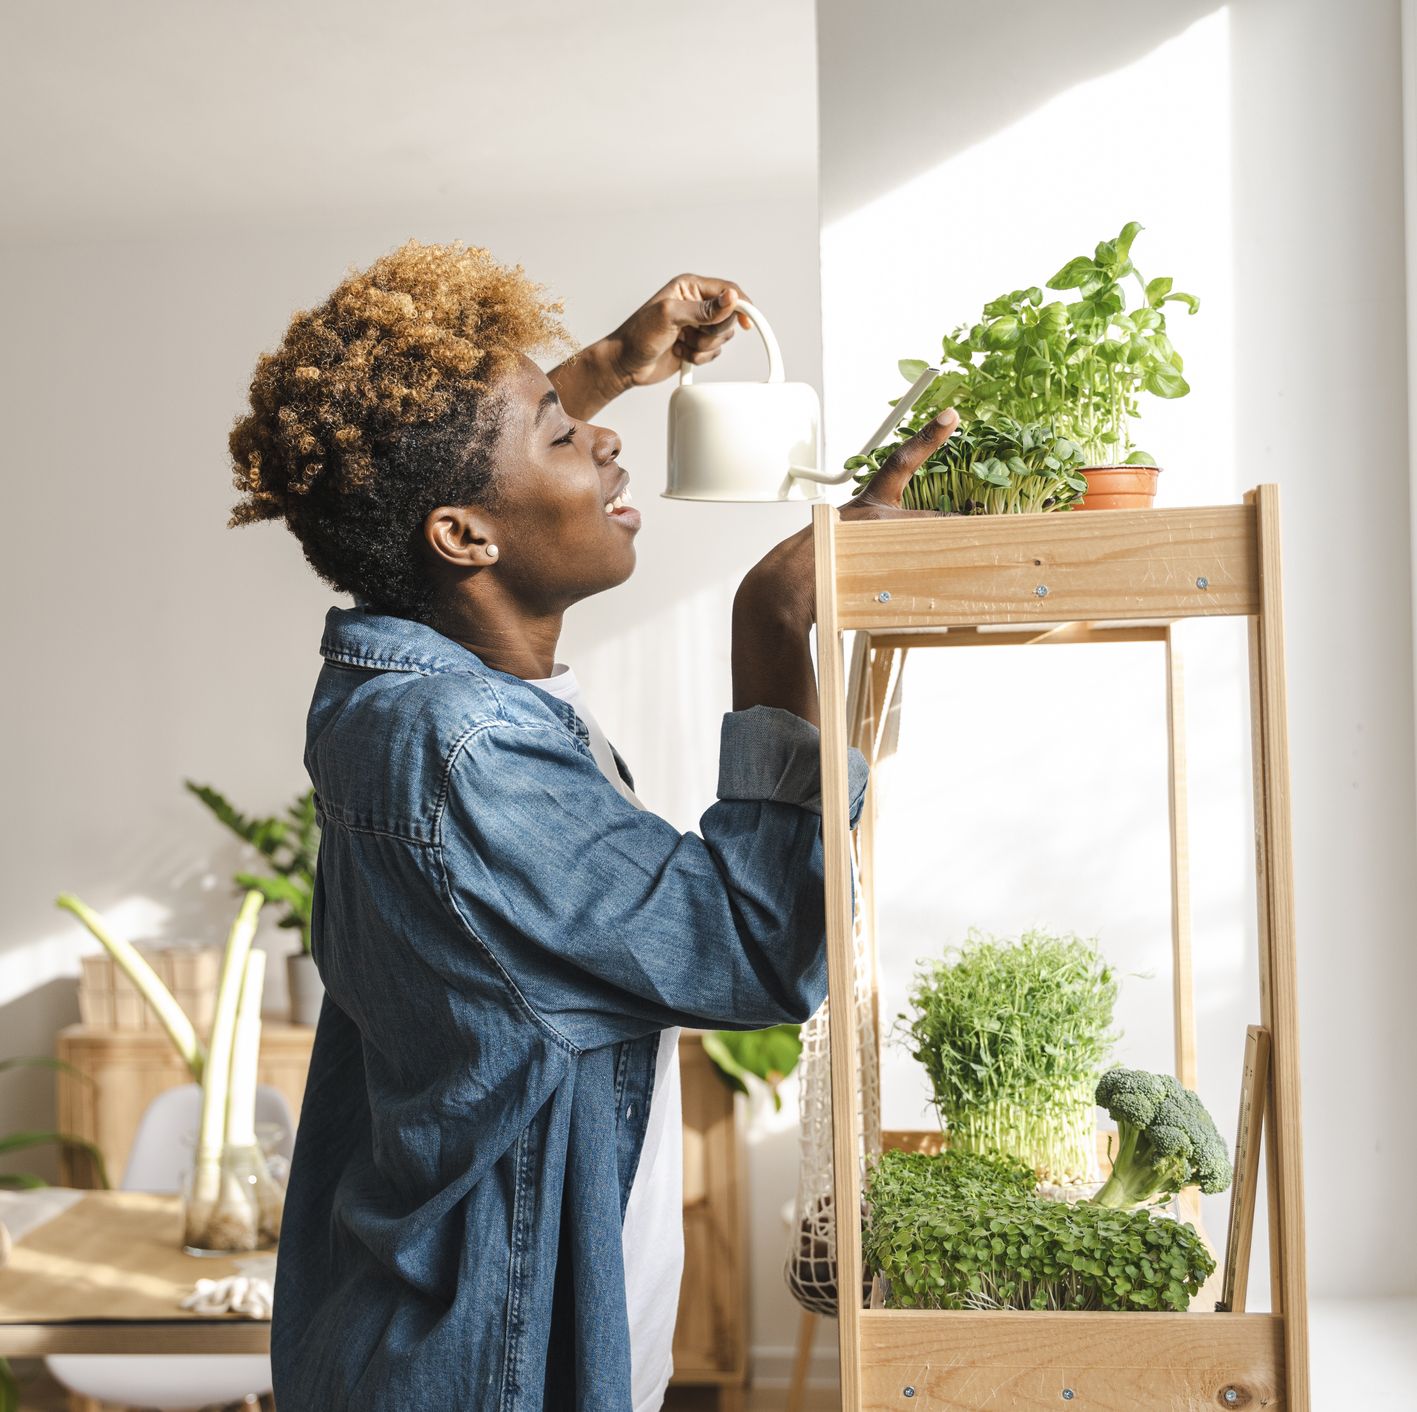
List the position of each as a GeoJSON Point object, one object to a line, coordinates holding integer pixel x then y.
{"type": "Point", "coordinates": [484, 1203]}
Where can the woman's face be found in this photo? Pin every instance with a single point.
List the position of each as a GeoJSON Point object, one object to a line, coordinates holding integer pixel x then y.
{"type": "Point", "coordinates": [554, 478]}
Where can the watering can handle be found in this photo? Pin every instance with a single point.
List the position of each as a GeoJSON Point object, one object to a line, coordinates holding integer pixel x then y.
{"type": "Point", "coordinates": [769, 338]}
{"type": "Point", "coordinates": [893, 419]}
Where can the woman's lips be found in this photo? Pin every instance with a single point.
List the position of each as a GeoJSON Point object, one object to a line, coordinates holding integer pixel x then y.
{"type": "Point", "coordinates": [627, 516]}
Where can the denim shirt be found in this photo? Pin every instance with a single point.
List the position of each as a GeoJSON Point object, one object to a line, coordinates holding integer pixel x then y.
{"type": "Point", "coordinates": [502, 936]}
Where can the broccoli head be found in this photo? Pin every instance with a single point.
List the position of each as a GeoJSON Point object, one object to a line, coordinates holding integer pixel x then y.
{"type": "Point", "coordinates": [1166, 1139]}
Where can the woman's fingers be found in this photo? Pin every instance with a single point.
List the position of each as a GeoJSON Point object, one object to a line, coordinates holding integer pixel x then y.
{"type": "Point", "coordinates": [888, 484]}
{"type": "Point", "coordinates": [703, 302]}
{"type": "Point", "coordinates": [704, 337]}
{"type": "Point", "coordinates": [697, 356]}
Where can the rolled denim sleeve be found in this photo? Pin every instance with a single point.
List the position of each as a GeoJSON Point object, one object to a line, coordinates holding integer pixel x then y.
{"type": "Point", "coordinates": [767, 753]}
{"type": "Point", "coordinates": [612, 923]}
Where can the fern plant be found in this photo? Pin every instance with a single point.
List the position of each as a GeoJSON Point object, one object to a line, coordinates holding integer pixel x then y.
{"type": "Point", "coordinates": [290, 843]}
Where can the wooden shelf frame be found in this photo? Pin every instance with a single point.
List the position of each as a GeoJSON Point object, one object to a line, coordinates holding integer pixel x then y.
{"type": "Point", "coordinates": [1009, 580]}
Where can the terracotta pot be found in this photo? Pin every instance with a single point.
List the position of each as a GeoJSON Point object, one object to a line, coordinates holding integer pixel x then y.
{"type": "Point", "coordinates": [1118, 488]}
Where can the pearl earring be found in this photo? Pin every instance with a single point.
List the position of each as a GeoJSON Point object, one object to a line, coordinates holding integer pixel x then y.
{"type": "Point", "coordinates": [491, 551]}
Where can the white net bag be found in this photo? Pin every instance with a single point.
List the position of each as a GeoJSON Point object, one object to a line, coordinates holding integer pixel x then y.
{"type": "Point", "coordinates": [811, 1257]}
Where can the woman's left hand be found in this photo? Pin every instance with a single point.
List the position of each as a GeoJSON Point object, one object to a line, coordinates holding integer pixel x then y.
{"type": "Point", "coordinates": [687, 321]}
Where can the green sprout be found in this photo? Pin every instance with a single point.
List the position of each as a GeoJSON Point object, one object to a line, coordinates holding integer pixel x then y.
{"type": "Point", "coordinates": [1013, 1035]}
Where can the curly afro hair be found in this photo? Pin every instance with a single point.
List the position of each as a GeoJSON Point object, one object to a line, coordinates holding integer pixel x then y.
{"type": "Point", "coordinates": [378, 407]}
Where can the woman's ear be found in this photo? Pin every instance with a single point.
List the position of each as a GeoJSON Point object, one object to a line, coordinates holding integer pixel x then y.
{"type": "Point", "coordinates": [461, 535]}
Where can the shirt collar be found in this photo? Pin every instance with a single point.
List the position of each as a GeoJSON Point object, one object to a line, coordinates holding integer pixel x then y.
{"type": "Point", "coordinates": [361, 638]}
{"type": "Point", "coordinates": [358, 637]}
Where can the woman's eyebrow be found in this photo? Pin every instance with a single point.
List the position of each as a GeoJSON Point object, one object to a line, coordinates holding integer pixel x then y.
{"type": "Point", "coordinates": [548, 400]}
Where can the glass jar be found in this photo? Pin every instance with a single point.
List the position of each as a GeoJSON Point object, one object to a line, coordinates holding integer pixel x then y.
{"type": "Point", "coordinates": [221, 1209]}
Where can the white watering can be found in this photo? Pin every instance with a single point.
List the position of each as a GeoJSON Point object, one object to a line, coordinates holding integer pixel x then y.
{"type": "Point", "coordinates": [755, 441]}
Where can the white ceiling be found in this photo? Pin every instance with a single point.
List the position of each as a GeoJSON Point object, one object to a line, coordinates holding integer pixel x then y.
{"type": "Point", "coordinates": [173, 112]}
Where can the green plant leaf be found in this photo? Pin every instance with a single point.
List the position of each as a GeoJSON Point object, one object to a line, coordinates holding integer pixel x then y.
{"type": "Point", "coordinates": [1074, 274]}
{"type": "Point", "coordinates": [278, 889]}
{"type": "Point", "coordinates": [20, 1181]}
{"type": "Point", "coordinates": [9, 1388]}
{"type": "Point", "coordinates": [912, 368]}
{"type": "Point", "coordinates": [1165, 382]}
{"type": "Point", "coordinates": [767, 1055]}
{"type": "Point", "coordinates": [18, 1142]}
{"type": "Point", "coordinates": [43, 1062]}
{"type": "Point", "coordinates": [1123, 243]}
{"type": "Point", "coordinates": [1139, 458]}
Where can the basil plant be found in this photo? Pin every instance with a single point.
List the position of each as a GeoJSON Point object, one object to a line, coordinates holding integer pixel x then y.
{"type": "Point", "coordinates": [1077, 369]}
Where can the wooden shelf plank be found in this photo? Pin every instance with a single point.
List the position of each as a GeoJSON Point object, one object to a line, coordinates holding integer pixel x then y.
{"type": "Point", "coordinates": [962, 1361]}
{"type": "Point", "coordinates": [1118, 565]}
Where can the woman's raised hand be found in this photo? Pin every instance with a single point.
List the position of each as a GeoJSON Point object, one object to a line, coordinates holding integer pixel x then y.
{"type": "Point", "coordinates": [776, 603]}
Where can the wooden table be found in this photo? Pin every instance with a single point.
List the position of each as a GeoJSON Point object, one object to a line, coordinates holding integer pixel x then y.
{"type": "Point", "coordinates": [108, 1276]}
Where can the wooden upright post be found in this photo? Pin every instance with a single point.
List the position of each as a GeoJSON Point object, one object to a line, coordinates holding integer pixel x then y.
{"type": "Point", "coordinates": [1181, 976]}
{"type": "Point", "coordinates": [836, 846]}
{"type": "Point", "coordinates": [1279, 1007]}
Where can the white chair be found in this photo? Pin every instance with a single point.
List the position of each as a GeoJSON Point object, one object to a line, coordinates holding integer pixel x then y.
{"type": "Point", "coordinates": [174, 1382]}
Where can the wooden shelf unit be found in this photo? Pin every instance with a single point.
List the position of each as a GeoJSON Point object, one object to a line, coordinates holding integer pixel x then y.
{"type": "Point", "coordinates": [1112, 576]}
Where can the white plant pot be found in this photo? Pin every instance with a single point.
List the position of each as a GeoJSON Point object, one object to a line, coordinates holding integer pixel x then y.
{"type": "Point", "coordinates": [307, 991]}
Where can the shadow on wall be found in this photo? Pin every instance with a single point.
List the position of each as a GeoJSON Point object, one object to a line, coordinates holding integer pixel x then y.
{"type": "Point", "coordinates": [1016, 55]}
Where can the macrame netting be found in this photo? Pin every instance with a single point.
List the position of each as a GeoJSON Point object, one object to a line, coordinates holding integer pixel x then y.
{"type": "Point", "coordinates": [811, 1258]}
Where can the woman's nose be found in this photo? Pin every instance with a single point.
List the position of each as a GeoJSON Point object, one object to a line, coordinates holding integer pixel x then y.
{"type": "Point", "coordinates": [606, 446]}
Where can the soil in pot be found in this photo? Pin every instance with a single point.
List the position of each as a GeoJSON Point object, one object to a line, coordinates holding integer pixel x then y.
{"type": "Point", "coordinates": [1119, 488]}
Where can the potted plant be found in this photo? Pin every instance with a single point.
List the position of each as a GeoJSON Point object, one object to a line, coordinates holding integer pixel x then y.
{"type": "Point", "coordinates": [1078, 368]}
{"type": "Point", "coordinates": [290, 844]}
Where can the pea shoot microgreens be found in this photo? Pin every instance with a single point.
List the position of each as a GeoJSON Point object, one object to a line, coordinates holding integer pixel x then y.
{"type": "Point", "coordinates": [1013, 1035]}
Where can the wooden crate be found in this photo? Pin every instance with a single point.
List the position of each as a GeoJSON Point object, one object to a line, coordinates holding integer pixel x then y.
{"type": "Point", "coordinates": [1113, 576]}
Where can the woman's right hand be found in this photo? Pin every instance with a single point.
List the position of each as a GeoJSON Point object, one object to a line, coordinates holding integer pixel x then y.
{"type": "Point", "coordinates": [776, 603]}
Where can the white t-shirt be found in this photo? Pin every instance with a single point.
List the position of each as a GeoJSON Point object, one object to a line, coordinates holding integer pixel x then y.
{"type": "Point", "coordinates": [652, 1236]}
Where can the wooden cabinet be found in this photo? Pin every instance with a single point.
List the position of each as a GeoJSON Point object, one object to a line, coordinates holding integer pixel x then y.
{"type": "Point", "coordinates": [129, 1068]}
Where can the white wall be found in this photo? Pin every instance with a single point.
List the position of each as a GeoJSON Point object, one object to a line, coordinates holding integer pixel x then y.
{"type": "Point", "coordinates": [1259, 143]}
{"type": "Point", "coordinates": [146, 641]}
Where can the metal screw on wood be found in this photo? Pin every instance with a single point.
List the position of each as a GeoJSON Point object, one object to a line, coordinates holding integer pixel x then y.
{"type": "Point", "coordinates": [1202, 582]}
{"type": "Point", "coordinates": [883, 596]}
{"type": "Point", "coordinates": [1231, 1396]}
{"type": "Point", "coordinates": [907, 1392]}
{"type": "Point", "coordinates": [1068, 1394]}
{"type": "Point", "coordinates": [1042, 590]}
